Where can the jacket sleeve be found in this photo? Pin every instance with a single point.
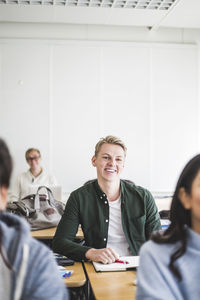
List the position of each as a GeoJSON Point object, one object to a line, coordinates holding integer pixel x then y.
{"type": "Point", "coordinates": [63, 241]}
{"type": "Point", "coordinates": [152, 216]}
{"type": "Point", "coordinates": [154, 279]}
{"type": "Point", "coordinates": [43, 280]}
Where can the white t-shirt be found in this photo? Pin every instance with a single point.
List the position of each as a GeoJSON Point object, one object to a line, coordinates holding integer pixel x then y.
{"type": "Point", "coordinates": [116, 238]}
{"type": "Point", "coordinates": [24, 181]}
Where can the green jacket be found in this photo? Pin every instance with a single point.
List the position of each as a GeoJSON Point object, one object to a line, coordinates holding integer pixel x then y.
{"type": "Point", "coordinates": [89, 207]}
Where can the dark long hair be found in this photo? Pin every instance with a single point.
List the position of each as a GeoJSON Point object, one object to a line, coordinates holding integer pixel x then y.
{"type": "Point", "coordinates": [5, 174]}
{"type": "Point", "coordinates": [179, 216]}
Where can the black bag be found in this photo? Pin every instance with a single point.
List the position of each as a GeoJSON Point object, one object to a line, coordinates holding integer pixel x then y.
{"type": "Point", "coordinates": [39, 210]}
{"type": "Point", "coordinates": [63, 260]}
{"type": "Point", "coordinates": [20, 209]}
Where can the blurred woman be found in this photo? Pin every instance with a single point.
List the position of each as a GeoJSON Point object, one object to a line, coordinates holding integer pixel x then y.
{"type": "Point", "coordinates": [169, 263]}
{"type": "Point", "coordinates": [35, 175]}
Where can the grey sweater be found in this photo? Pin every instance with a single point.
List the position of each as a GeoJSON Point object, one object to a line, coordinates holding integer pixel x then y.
{"type": "Point", "coordinates": [156, 281]}
{"type": "Point", "coordinates": [35, 274]}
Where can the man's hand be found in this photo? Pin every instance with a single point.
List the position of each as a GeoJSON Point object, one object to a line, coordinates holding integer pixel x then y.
{"type": "Point", "coordinates": [105, 255]}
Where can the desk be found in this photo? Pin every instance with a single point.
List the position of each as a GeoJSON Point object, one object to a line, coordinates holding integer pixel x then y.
{"type": "Point", "coordinates": [48, 234]}
{"type": "Point", "coordinates": [111, 285]}
{"type": "Point", "coordinates": [77, 279]}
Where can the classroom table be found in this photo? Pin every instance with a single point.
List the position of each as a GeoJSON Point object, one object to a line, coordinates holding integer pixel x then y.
{"type": "Point", "coordinates": [48, 234]}
{"type": "Point", "coordinates": [111, 285]}
{"type": "Point", "coordinates": [77, 279]}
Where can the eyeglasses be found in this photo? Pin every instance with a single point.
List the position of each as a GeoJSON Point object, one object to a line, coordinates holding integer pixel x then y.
{"type": "Point", "coordinates": [33, 158]}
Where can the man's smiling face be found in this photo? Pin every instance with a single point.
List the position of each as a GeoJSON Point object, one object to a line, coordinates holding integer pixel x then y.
{"type": "Point", "coordinates": [109, 162]}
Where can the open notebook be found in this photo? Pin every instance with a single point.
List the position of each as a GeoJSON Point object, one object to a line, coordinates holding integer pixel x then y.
{"type": "Point", "coordinates": [133, 262]}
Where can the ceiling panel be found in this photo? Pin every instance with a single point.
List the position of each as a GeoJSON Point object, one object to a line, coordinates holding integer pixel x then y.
{"type": "Point", "coordinates": [148, 13]}
{"type": "Point", "coordinates": [185, 14]}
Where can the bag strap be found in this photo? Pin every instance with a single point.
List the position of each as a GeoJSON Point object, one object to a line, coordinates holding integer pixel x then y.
{"type": "Point", "coordinates": [37, 197]}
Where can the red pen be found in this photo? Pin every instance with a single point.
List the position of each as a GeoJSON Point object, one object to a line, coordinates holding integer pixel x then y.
{"type": "Point", "coordinates": [121, 261]}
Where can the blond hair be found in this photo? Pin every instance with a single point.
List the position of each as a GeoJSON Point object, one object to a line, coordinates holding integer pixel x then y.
{"type": "Point", "coordinates": [110, 139]}
{"type": "Point", "coordinates": [30, 150]}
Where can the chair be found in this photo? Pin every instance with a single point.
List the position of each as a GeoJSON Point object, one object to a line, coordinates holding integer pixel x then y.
{"type": "Point", "coordinates": [164, 214]}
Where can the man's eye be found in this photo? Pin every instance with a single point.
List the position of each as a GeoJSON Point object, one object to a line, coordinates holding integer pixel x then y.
{"type": "Point", "coordinates": [105, 157]}
{"type": "Point", "coordinates": [119, 159]}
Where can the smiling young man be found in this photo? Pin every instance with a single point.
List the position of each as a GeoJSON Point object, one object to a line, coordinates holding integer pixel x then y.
{"type": "Point", "coordinates": [116, 217]}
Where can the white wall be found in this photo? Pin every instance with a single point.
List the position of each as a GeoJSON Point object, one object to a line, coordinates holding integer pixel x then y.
{"type": "Point", "coordinates": [97, 33]}
{"type": "Point", "coordinates": [62, 96]}
{"type": "Point", "coordinates": [175, 132]}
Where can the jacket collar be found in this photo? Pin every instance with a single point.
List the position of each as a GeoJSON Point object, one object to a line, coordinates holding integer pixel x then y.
{"type": "Point", "coordinates": [99, 191]}
{"type": "Point", "coordinates": [102, 195]}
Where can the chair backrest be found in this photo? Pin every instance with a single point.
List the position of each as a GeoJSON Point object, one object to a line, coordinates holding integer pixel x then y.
{"type": "Point", "coordinates": [164, 214]}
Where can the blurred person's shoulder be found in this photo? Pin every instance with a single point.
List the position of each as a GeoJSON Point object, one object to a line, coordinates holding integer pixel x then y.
{"type": "Point", "coordinates": [157, 251]}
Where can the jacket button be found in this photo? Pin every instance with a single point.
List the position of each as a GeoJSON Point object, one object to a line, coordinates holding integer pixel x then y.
{"type": "Point", "coordinates": [104, 239]}
{"type": "Point", "coordinates": [106, 202]}
{"type": "Point", "coordinates": [106, 220]}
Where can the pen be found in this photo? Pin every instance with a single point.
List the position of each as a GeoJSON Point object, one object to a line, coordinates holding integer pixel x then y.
{"type": "Point", "coordinates": [67, 274]}
{"type": "Point", "coordinates": [121, 261]}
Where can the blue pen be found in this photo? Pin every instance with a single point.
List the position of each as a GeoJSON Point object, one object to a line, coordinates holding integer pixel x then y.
{"type": "Point", "coordinates": [67, 274]}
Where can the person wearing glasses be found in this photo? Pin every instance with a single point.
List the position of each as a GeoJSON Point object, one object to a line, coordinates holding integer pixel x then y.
{"type": "Point", "coordinates": [28, 269]}
{"type": "Point", "coordinates": [116, 217]}
{"type": "Point", "coordinates": [35, 175]}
